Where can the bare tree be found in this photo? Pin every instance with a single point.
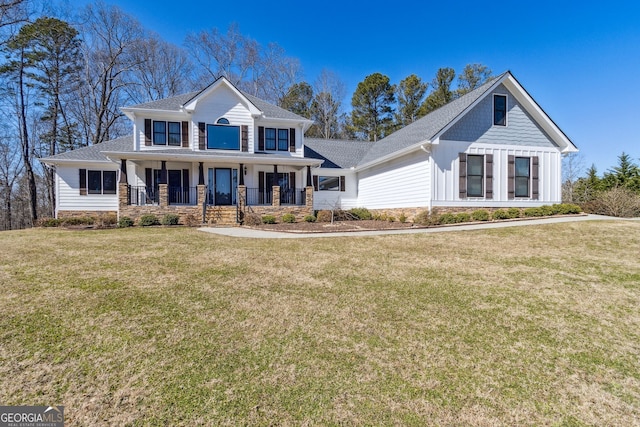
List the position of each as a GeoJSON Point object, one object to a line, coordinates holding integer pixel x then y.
{"type": "Point", "coordinates": [163, 70]}
{"type": "Point", "coordinates": [12, 13]}
{"type": "Point", "coordinates": [264, 72]}
{"type": "Point", "coordinates": [111, 38]}
{"type": "Point", "coordinates": [572, 169]}
{"type": "Point", "coordinates": [326, 105]}
{"type": "Point", "coordinates": [11, 168]}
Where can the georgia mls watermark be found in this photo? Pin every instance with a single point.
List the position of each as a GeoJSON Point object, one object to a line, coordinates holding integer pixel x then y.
{"type": "Point", "coordinates": [31, 416]}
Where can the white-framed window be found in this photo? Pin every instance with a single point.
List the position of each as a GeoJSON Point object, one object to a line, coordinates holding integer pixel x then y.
{"type": "Point", "coordinates": [499, 110]}
{"type": "Point", "coordinates": [167, 133]}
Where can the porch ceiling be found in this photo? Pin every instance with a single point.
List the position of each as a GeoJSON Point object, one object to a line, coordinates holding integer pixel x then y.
{"type": "Point", "coordinates": [192, 156]}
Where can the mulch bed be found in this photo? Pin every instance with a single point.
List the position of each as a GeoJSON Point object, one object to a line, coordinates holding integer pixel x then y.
{"type": "Point", "coordinates": [337, 226]}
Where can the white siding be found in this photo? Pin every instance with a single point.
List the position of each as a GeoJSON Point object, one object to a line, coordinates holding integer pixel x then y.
{"type": "Point", "coordinates": [337, 199]}
{"type": "Point", "coordinates": [221, 103]}
{"type": "Point", "coordinates": [403, 182]}
{"type": "Point", "coordinates": [69, 198]}
{"type": "Point", "coordinates": [446, 174]}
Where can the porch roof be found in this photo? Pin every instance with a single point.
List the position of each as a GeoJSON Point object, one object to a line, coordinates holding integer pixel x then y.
{"type": "Point", "coordinates": [180, 155]}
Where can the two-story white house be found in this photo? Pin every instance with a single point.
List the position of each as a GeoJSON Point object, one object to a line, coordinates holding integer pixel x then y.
{"type": "Point", "coordinates": [221, 153]}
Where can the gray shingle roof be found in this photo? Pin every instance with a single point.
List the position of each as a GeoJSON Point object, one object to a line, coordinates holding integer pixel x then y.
{"type": "Point", "coordinates": [168, 104]}
{"type": "Point", "coordinates": [336, 153]}
{"type": "Point", "coordinates": [426, 127]}
{"type": "Point", "coordinates": [93, 153]}
{"type": "Point", "coordinates": [174, 103]}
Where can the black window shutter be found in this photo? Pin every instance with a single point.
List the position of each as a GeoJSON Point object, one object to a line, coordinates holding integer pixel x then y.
{"type": "Point", "coordinates": [342, 183]}
{"type": "Point", "coordinates": [511, 186]}
{"type": "Point", "coordinates": [315, 182]}
{"type": "Point", "coordinates": [292, 180]}
{"type": "Point", "coordinates": [463, 176]}
{"type": "Point", "coordinates": [201, 136]}
{"type": "Point", "coordinates": [292, 140]}
{"type": "Point", "coordinates": [245, 138]}
{"type": "Point", "coordinates": [83, 182]}
{"type": "Point", "coordinates": [488, 192]}
{"type": "Point", "coordinates": [147, 132]}
{"type": "Point", "coordinates": [185, 134]}
{"type": "Point", "coordinates": [535, 186]}
{"type": "Point", "coordinates": [261, 138]}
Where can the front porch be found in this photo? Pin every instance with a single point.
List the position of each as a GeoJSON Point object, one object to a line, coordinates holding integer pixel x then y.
{"type": "Point", "coordinates": [201, 203]}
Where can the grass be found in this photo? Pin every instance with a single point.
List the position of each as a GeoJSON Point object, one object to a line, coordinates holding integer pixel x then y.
{"type": "Point", "coordinates": [536, 325]}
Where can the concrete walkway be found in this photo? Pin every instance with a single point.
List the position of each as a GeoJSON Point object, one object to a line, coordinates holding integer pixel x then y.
{"type": "Point", "coordinates": [262, 234]}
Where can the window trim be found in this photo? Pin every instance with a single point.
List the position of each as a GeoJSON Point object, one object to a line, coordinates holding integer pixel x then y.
{"type": "Point", "coordinates": [222, 125]}
{"type": "Point", "coordinates": [482, 176]}
{"type": "Point", "coordinates": [102, 190]}
{"type": "Point", "coordinates": [506, 109]}
{"type": "Point", "coordinates": [328, 177]}
{"type": "Point", "coordinates": [516, 176]}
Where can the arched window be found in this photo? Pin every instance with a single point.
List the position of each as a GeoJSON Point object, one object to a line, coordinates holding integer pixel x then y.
{"type": "Point", "coordinates": [222, 121]}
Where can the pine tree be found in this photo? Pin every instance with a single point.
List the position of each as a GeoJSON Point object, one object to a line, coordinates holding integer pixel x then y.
{"type": "Point", "coordinates": [372, 107]}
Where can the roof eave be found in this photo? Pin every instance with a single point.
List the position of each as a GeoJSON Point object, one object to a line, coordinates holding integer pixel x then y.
{"type": "Point", "coordinates": [395, 154]}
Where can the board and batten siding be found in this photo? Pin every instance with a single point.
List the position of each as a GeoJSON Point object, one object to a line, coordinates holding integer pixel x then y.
{"type": "Point", "coordinates": [477, 125]}
{"type": "Point", "coordinates": [337, 199]}
{"type": "Point", "coordinates": [400, 183]}
{"type": "Point", "coordinates": [68, 191]}
{"type": "Point", "coordinates": [446, 172]}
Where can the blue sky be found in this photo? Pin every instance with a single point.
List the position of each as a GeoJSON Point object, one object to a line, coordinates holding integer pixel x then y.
{"type": "Point", "coordinates": [579, 60]}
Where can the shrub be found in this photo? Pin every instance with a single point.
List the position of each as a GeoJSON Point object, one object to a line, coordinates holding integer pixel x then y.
{"type": "Point", "coordinates": [547, 210]}
{"type": "Point", "coordinates": [361, 213]}
{"type": "Point", "coordinates": [191, 221]}
{"type": "Point", "coordinates": [402, 218]}
{"type": "Point", "coordinates": [148, 220]}
{"type": "Point", "coordinates": [49, 222]}
{"type": "Point", "coordinates": [84, 220]}
{"type": "Point", "coordinates": [125, 222]}
{"type": "Point", "coordinates": [289, 218]}
{"type": "Point", "coordinates": [268, 219]}
{"type": "Point", "coordinates": [480, 215]}
{"type": "Point", "coordinates": [310, 218]}
{"type": "Point", "coordinates": [252, 219]}
{"type": "Point", "coordinates": [108, 220]}
{"type": "Point", "coordinates": [340, 215]}
{"type": "Point", "coordinates": [170, 219]}
{"type": "Point", "coordinates": [463, 217]}
{"type": "Point", "coordinates": [500, 214]}
{"type": "Point", "coordinates": [567, 209]}
{"type": "Point", "coordinates": [447, 218]}
{"type": "Point", "coordinates": [513, 213]}
{"type": "Point", "coordinates": [324, 216]}
{"type": "Point", "coordinates": [533, 212]}
{"type": "Point", "coordinates": [618, 201]}
{"type": "Point", "coordinates": [427, 218]}
{"type": "Point", "coordinates": [391, 218]}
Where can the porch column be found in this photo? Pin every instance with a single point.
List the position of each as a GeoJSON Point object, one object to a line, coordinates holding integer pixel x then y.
{"type": "Point", "coordinates": [200, 174]}
{"type": "Point", "coordinates": [275, 175]}
{"type": "Point", "coordinates": [276, 195]}
{"type": "Point", "coordinates": [123, 197]}
{"type": "Point", "coordinates": [308, 191]}
{"type": "Point", "coordinates": [309, 176]}
{"type": "Point", "coordinates": [123, 171]}
{"type": "Point", "coordinates": [202, 194]}
{"type": "Point", "coordinates": [241, 174]}
{"type": "Point", "coordinates": [163, 190]}
{"type": "Point", "coordinates": [163, 172]}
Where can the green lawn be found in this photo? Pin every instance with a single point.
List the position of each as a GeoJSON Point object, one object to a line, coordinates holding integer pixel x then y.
{"type": "Point", "coordinates": [536, 325]}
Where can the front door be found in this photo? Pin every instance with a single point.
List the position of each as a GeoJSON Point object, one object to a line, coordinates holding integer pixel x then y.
{"type": "Point", "coordinates": [224, 181]}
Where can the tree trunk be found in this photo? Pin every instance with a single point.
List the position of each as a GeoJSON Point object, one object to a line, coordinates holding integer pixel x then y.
{"type": "Point", "coordinates": [26, 148]}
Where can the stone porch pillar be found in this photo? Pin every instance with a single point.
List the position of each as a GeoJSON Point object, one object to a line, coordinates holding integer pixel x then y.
{"type": "Point", "coordinates": [123, 197]}
{"type": "Point", "coordinates": [242, 197]}
{"type": "Point", "coordinates": [276, 196]}
{"type": "Point", "coordinates": [163, 191]}
{"type": "Point", "coordinates": [202, 194]}
{"type": "Point", "coordinates": [308, 191]}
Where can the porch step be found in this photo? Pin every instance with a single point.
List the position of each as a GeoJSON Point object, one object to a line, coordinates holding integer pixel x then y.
{"type": "Point", "coordinates": [221, 215]}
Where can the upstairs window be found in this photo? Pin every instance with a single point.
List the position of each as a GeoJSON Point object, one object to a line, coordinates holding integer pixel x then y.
{"type": "Point", "coordinates": [174, 133]}
{"type": "Point", "coordinates": [223, 137]}
{"type": "Point", "coordinates": [160, 133]}
{"type": "Point", "coordinates": [270, 138]}
{"type": "Point", "coordinates": [500, 110]}
{"type": "Point", "coordinates": [283, 139]}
